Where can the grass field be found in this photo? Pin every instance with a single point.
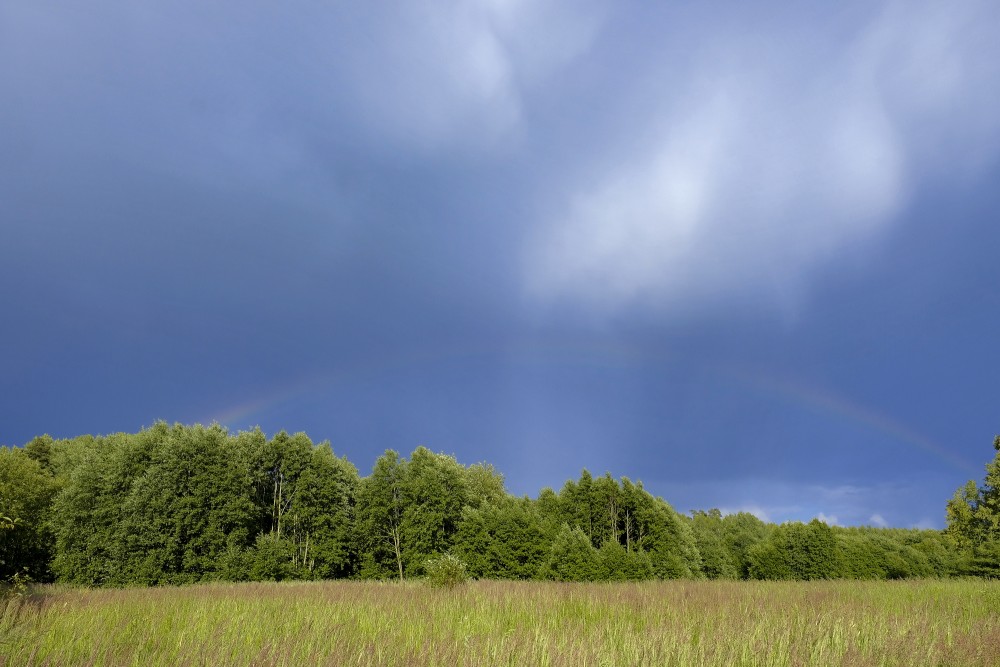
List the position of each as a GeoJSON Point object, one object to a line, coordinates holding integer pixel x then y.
{"type": "Point", "coordinates": [952, 623]}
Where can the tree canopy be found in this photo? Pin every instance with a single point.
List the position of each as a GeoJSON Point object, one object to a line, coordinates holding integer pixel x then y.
{"type": "Point", "coordinates": [974, 520]}
{"type": "Point", "coordinates": [177, 504]}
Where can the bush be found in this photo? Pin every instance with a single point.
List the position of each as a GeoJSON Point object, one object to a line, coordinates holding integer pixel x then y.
{"type": "Point", "coordinates": [15, 586]}
{"type": "Point", "coordinates": [446, 571]}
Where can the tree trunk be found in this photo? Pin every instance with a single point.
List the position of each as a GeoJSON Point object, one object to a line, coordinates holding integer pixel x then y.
{"type": "Point", "coordinates": [399, 554]}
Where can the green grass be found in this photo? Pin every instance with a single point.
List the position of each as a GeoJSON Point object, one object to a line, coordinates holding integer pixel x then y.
{"type": "Point", "coordinates": [505, 623]}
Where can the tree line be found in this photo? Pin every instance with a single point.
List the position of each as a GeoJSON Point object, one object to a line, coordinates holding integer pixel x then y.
{"type": "Point", "coordinates": [176, 504]}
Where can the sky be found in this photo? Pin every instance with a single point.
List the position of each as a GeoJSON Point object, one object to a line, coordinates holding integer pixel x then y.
{"type": "Point", "coordinates": [746, 254]}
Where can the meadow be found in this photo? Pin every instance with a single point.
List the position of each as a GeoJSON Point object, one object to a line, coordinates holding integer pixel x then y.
{"type": "Point", "coordinates": [930, 622]}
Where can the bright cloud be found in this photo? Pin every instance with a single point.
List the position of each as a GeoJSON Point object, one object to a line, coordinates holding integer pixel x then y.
{"type": "Point", "coordinates": [269, 90]}
{"type": "Point", "coordinates": [761, 169]}
{"type": "Point", "coordinates": [451, 76]}
{"type": "Point", "coordinates": [778, 501]}
{"type": "Point", "coordinates": [432, 72]}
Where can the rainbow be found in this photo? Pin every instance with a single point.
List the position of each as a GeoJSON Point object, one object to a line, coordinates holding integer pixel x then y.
{"type": "Point", "coordinates": [602, 356]}
{"type": "Point", "coordinates": [826, 402]}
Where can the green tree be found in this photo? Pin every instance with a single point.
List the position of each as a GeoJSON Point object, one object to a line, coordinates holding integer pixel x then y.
{"type": "Point", "coordinates": [321, 515]}
{"type": "Point", "coordinates": [186, 508]}
{"type": "Point", "coordinates": [275, 468]}
{"type": "Point", "coordinates": [974, 522]}
{"type": "Point", "coordinates": [576, 500]}
{"type": "Point", "coordinates": [572, 557]}
{"type": "Point", "coordinates": [666, 537]}
{"type": "Point", "coordinates": [26, 493]}
{"type": "Point", "coordinates": [88, 513]}
{"type": "Point", "coordinates": [983, 560]}
{"type": "Point", "coordinates": [272, 558]}
{"type": "Point", "coordinates": [411, 510]}
{"type": "Point", "coordinates": [380, 505]}
{"type": "Point", "coordinates": [974, 513]}
{"type": "Point", "coordinates": [741, 531]}
{"type": "Point", "coordinates": [40, 450]}
{"type": "Point", "coordinates": [550, 510]}
{"type": "Point", "coordinates": [484, 485]}
{"type": "Point", "coordinates": [67, 455]}
{"type": "Point", "coordinates": [617, 564]}
{"type": "Point", "coordinates": [605, 509]}
{"type": "Point", "coordinates": [161, 506]}
{"type": "Point", "coordinates": [503, 540]}
{"type": "Point", "coordinates": [304, 500]}
{"type": "Point", "coordinates": [435, 491]}
{"type": "Point", "coordinates": [718, 561]}
{"type": "Point", "coordinates": [796, 551]}
{"type": "Point", "coordinates": [939, 549]}
{"type": "Point", "coordinates": [889, 553]}
{"type": "Point", "coordinates": [629, 502]}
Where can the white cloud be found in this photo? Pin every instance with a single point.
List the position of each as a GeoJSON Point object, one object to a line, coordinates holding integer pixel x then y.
{"type": "Point", "coordinates": [781, 501]}
{"type": "Point", "coordinates": [763, 167]}
{"type": "Point", "coordinates": [452, 75]}
{"type": "Point", "coordinates": [430, 73]}
{"type": "Point", "coordinates": [544, 35]}
{"type": "Point", "coordinates": [421, 77]}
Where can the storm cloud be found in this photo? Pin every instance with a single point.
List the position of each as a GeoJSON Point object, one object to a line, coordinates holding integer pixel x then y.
{"type": "Point", "coordinates": [743, 254]}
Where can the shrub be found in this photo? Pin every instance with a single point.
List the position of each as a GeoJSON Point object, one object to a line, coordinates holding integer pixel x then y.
{"type": "Point", "coordinates": [16, 586]}
{"type": "Point", "coordinates": [445, 571]}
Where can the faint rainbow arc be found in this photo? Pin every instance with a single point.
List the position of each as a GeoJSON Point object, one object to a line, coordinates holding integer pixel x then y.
{"type": "Point", "coordinates": [603, 355]}
{"type": "Point", "coordinates": [827, 402]}
{"type": "Point", "coordinates": [584, 354]}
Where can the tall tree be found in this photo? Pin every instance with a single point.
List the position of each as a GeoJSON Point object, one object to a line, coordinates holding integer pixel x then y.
{"type": "Point", "coordinates": [572, 557]}
{"type": "Point", "coordinates": [323, 515]}
{"type": "Point", "coordinates": [617, 564]}
{"type": "Point", "coordinates": [974, 513]}
{"type": "Point", "coordinates": [40, 450]}
{"type": "Point", "coordinates": [26, 492]}
{"type": "Point", "coordinates": [709, 531]}
{"type": "Point", "coordinates": [651, 525]}
{"type": "Point", "coordinates": [187, 508]}
{"type": "Point", "coordinates": [741, 532]}
{"type": "Point", "coordinates": [484, 484]}
{"type": "Point", "coordinates": [410, 510]}
{"type": "Point", "coordinates": [503, 539]}
{"type": "Point", "coordinates": [435, 491]}
{"type": "Point", "coordinates": [87, 515]}
{"type": "Point", "coordinates": [160, 506]}
{"type": "Point", "coordinates": [605, 508]}
{"type": "Point", "coordinates": [279, 464]}
{"type": "Point", "coordinates": [576, 503]}
{"type": "Point", "coordinates": [380, 505]}
{"type": "Point", "coordinates": [796, 551]}
{"type": "Point", "coordinates": [974, 521]}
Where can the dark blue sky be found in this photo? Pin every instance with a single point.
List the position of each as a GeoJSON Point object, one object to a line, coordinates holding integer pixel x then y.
{"type": "Point", "coordinates": [748, 256]}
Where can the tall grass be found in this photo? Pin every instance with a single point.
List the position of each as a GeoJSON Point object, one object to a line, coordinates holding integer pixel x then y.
{"type": "Point", "coordinates": [507, 623]}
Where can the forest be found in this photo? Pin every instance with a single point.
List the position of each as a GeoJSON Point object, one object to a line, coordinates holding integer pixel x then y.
{"type": "Point", "coordinates": [178, 504]}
